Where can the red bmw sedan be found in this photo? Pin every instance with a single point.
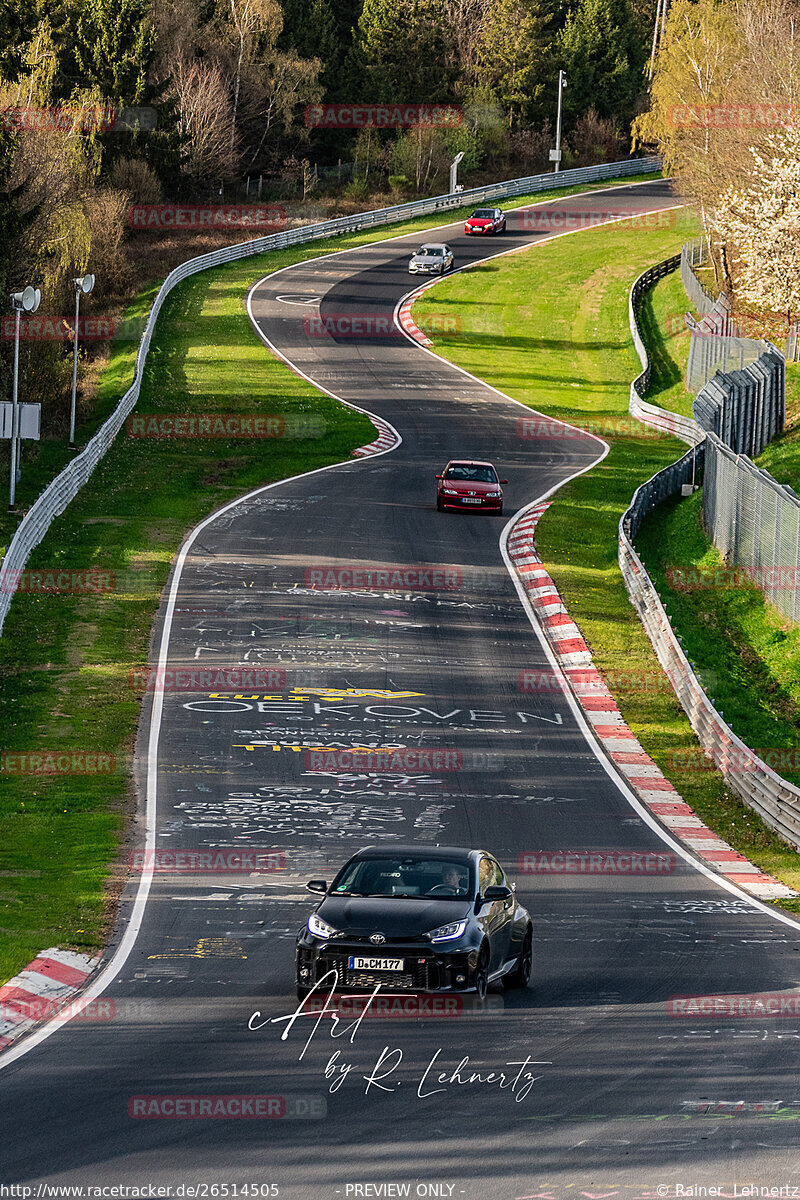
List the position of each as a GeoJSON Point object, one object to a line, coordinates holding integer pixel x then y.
{"type": "Point", "coordinates": [468, 483]}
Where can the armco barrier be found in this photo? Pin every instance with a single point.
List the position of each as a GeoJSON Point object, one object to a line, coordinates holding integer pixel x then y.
{"type": "Point", "coordinates": [58, 493]}
{"type": "Point", "coordinates": [776, 801]}
{"type": "Point", "coordinates": [650, 414]}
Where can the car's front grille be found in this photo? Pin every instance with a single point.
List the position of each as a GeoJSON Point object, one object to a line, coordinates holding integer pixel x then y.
{"type": "Point", "coordinates": [371, 979]}
{"type": "Point", "coordinates": [417, 976]}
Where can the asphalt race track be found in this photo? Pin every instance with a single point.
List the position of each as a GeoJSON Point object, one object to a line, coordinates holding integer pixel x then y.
{"type": "Point", "coordinates": [610, 1095]}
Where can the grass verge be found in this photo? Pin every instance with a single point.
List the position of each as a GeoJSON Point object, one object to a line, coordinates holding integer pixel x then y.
{"type": "Point", "coordinates": [566, 351]}
{"type": "Point", "coordinates": [66, 658]}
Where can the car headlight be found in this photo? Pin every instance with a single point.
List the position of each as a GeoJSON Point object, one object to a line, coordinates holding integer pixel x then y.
{"type": "Point", "coordinates": [320, 928]}
{"type": "Point", "coordinates": [448, 933]}
{"type": "Point", "coordinates": [449, 492]}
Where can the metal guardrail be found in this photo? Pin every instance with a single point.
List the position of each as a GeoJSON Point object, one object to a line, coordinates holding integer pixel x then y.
{"type": "Point", "coordinates": [61, 490]}
{"type": "Point", "coordinates": [775, 800]}
{"type": "Point", "coordinates": [650, 414]}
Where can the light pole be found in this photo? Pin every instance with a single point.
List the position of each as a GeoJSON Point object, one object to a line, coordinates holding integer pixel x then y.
{"type": "Point", "coordinates": [562, 83]}
{"type": "Point", "coordinates": [454, 171]}
{"type": "Point", "coordinates": [25, 301]}
{"type": "Point", "coordinates": [83, 286]}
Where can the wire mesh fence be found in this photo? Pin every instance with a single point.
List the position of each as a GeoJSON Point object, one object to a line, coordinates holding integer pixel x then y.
{"type": "Point", "coordinates": [717, 341]}
{"type": "Point", "coordinates": [746, 409]}
{"type": "Point", "coordinates": [754, 521]}
{"type": "Point", "coordinates": [776, 801]}
{"type": "Point", "coordinates": [692, 253]}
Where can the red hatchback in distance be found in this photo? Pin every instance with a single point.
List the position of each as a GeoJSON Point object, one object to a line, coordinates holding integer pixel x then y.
{"type": "Point", "coordinates": [486, 220]}
{"type": "Point", "coordinates": [468, 483]}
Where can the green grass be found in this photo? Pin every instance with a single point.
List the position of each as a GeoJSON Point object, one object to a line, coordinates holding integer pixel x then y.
{"type": "Point", "coordinates": [65, 659]}
{"type": "Point", "coordinates": [661, 319]}
{"type": "Point", "coordinates": [550, 328]}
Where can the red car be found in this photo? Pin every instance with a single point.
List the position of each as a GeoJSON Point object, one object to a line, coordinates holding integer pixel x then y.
{"type": "Point", "coordinates": [486, 220]}
{"type": "Point", "coordinates": [466, 483]}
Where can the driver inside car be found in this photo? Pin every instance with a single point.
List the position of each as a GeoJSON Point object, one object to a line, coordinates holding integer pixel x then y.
{"type": "Point", "coordinates": [452, 878]}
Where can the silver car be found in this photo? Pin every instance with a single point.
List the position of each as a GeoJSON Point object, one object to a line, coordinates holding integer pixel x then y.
{"type": "Point", "coordinates": [434, 258]}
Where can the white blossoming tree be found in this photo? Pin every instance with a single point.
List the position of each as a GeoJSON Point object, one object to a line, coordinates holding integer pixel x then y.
{"type": "Point", "coordinates": [760, 223]}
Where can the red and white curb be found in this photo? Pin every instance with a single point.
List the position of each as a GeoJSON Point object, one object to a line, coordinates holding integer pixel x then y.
{"type": "Point", "coordinates": [48, 983]}
{"type": "Point", "coordinates": [406, 321]}
{"type": "Point", "coordinates": [618, 740]}
{"type": "Point", "coordinates": [386, 439]}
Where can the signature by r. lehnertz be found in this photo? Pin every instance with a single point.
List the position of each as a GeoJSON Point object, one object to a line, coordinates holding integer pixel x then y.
{"type": "Point", "coordinates": [517, 1077]}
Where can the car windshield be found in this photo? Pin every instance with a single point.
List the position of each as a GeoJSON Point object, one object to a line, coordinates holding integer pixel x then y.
{"type": "Point", "coordinates": [411, 878]}
{"type": "Point", "coordinates": [483, 212]}
{"type": "Point", "coordinates": [471, 473]}
{"type": "Point", "coordinates": [429, 252]}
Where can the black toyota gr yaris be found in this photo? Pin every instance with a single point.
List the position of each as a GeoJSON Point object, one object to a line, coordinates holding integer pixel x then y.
{"type": "Point", "coordinates": [415, 919]}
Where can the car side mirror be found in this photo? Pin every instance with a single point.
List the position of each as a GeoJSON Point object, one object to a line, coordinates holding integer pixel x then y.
{"type": "Point", "coordinates": [504, 481]}
{"type": "Point", "coordinates": [501, 892]}
{"type": "Point", "coordinates": [438, 477]}
{"type": "Point", "coordinates": [316, 885]}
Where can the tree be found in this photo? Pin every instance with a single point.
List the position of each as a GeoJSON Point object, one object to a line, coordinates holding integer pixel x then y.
{"type": "Point", "coordinates": [109, 45]}
{"type": "Point", "coordinates": [513, 58]}
{"type": "Point", "coordinates": [726, 77]}
{"type": "Point", "coordinates": [761, 221]}
{"type": "Point", "coordinates": [205, 118]}
{"type": "Point", "coordinates": [603, 53]}
{"type": "Point", "coordinates": [401, 46]}
{"type": "Point", "coordinates": [248, 21]}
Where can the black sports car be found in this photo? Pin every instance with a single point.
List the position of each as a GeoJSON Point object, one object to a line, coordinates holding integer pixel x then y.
{"type": "Point", "coordinates": [439, 919]}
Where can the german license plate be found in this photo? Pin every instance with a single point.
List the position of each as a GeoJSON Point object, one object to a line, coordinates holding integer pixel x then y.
{"type": "Point", "coordinates": [467, 500]}
{"type": "Point", "coordinates": [374, 964]}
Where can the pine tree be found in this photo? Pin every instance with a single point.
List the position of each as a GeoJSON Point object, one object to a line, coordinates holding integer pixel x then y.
{"type": "Point", "coordinates": [515, 65]}
{"type": "Point", "coordinates": [603, 51]}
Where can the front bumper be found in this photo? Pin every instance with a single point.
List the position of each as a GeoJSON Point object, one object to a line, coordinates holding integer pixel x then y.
{"type": "Point", "coordinates": [493, 504]}
{"type": "Point", "coordinates": [427, 968]}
